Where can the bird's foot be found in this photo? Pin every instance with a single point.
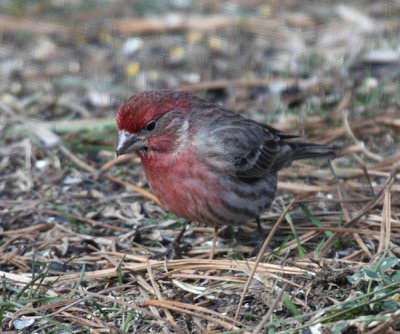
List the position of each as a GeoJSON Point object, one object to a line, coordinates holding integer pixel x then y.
{"type": "Point", "coordinates": [174, 250]}
{"type": "Point", "coordinates": [258, 246]}
{"type": "Point", "coordinates": [262, 237]}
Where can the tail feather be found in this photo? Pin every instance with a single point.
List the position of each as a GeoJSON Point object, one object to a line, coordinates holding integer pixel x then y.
{"type": "Point", "coordinates": [298, 151]}
{"type": "Point", "coordinates": [309, 151]}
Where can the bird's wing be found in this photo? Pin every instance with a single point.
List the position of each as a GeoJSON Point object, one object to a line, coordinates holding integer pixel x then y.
{"type": "Point", "coordinates": [266, 154]}
{"type": "Point", "coordinates": [243, 148]}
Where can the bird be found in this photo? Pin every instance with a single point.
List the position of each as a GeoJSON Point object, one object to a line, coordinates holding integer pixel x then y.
{"type": "Point", "coordinates": [204, 162]}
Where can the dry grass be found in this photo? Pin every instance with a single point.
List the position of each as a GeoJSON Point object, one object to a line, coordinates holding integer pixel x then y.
{"type": "Point", "coordinates": [78, 227]}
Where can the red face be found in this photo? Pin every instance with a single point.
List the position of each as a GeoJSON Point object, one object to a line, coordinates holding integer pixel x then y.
{"type": "Point", "coordinates": [150, 121]}
{"type": "Point", "coordinates": [136, 113]}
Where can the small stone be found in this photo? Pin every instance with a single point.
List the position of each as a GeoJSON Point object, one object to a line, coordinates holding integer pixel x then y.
{"type": "Point", "coordinates": [132, 45]}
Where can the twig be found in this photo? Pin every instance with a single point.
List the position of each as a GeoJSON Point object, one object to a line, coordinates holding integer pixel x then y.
{"type": "Point", "coordinates": [370, 205]}
{"type": "Point", "coordinates": [32, 26]}
{"type": "Point", "coordinates": [266, 317]}
{"type": "Point", "coordinates": [134, 188]}
{"type": "Point", "coordinates": [386, 226]}
{"type": "Point", "coordinates": [159, 296]}
{"type": "Point", "coordinates": [111, 163]}
{"type": "Point", "coordinates": [27, 230]}
{"type": "Point", "coordinates": [157, 25]}
{"type": "Point", "coordinates": [346, 213]}
{"type": "Point", "coordinates": [38, 130]}
{"type": "Point", "coordinates": [88, 221]}
{"type": "Point", "coordinates": [363, 148]}
{"type": "Point", "coordinates": [213, 243]}
{"type": "Point", "coordinates": [260, 255]}
{"type": "Point", "coordinates": [254, 83]}
{"type": "Point", "coordinates": [82, 164]}
{"type": "Point", "coordinates": [180, 307]}
{"type": "Point", "coordinates": [388, 325]}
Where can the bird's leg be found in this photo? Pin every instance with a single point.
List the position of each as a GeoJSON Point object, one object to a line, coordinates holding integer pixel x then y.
{"type": "Point", "coordinates": [260, 229]}
{"type": "Point", "coordinates": [214, 243]}
{"type": "Point", "coordinates": [174, 250]}
{"type": "Point", "coordinates": [262, 236]}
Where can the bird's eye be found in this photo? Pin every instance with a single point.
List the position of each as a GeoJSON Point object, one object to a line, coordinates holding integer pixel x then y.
{"type": "Point", "coordinates": [151, 126]}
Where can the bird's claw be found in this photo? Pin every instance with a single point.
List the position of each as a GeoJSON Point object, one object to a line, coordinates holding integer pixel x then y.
{"type": "Point", "coordinates": [174, 251]}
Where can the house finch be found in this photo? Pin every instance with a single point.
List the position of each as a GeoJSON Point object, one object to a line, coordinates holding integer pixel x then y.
{"type": "Point", "coordinates": [204, 162]}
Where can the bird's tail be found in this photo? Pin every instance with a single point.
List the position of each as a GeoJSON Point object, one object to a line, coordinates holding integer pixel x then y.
{"type": "Point", "coordinates": [309, 151]}
{"type": "Point", "coordinates": [300, 151]}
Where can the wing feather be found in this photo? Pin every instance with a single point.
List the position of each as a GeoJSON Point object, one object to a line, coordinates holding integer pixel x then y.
{"type": "Point", "coordinates": [242, 148]}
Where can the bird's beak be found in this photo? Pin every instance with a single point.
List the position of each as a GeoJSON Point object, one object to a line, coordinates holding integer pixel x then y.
{"type": "Point", "coordinates": [128, 143]}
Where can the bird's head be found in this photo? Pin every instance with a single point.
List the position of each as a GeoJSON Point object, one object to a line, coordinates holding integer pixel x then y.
{"type": "Point", "coordinates": [152, 121]}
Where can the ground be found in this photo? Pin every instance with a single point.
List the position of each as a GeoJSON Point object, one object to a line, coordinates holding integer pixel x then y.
{"type": "Point", "coordinates": [78, 227]}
